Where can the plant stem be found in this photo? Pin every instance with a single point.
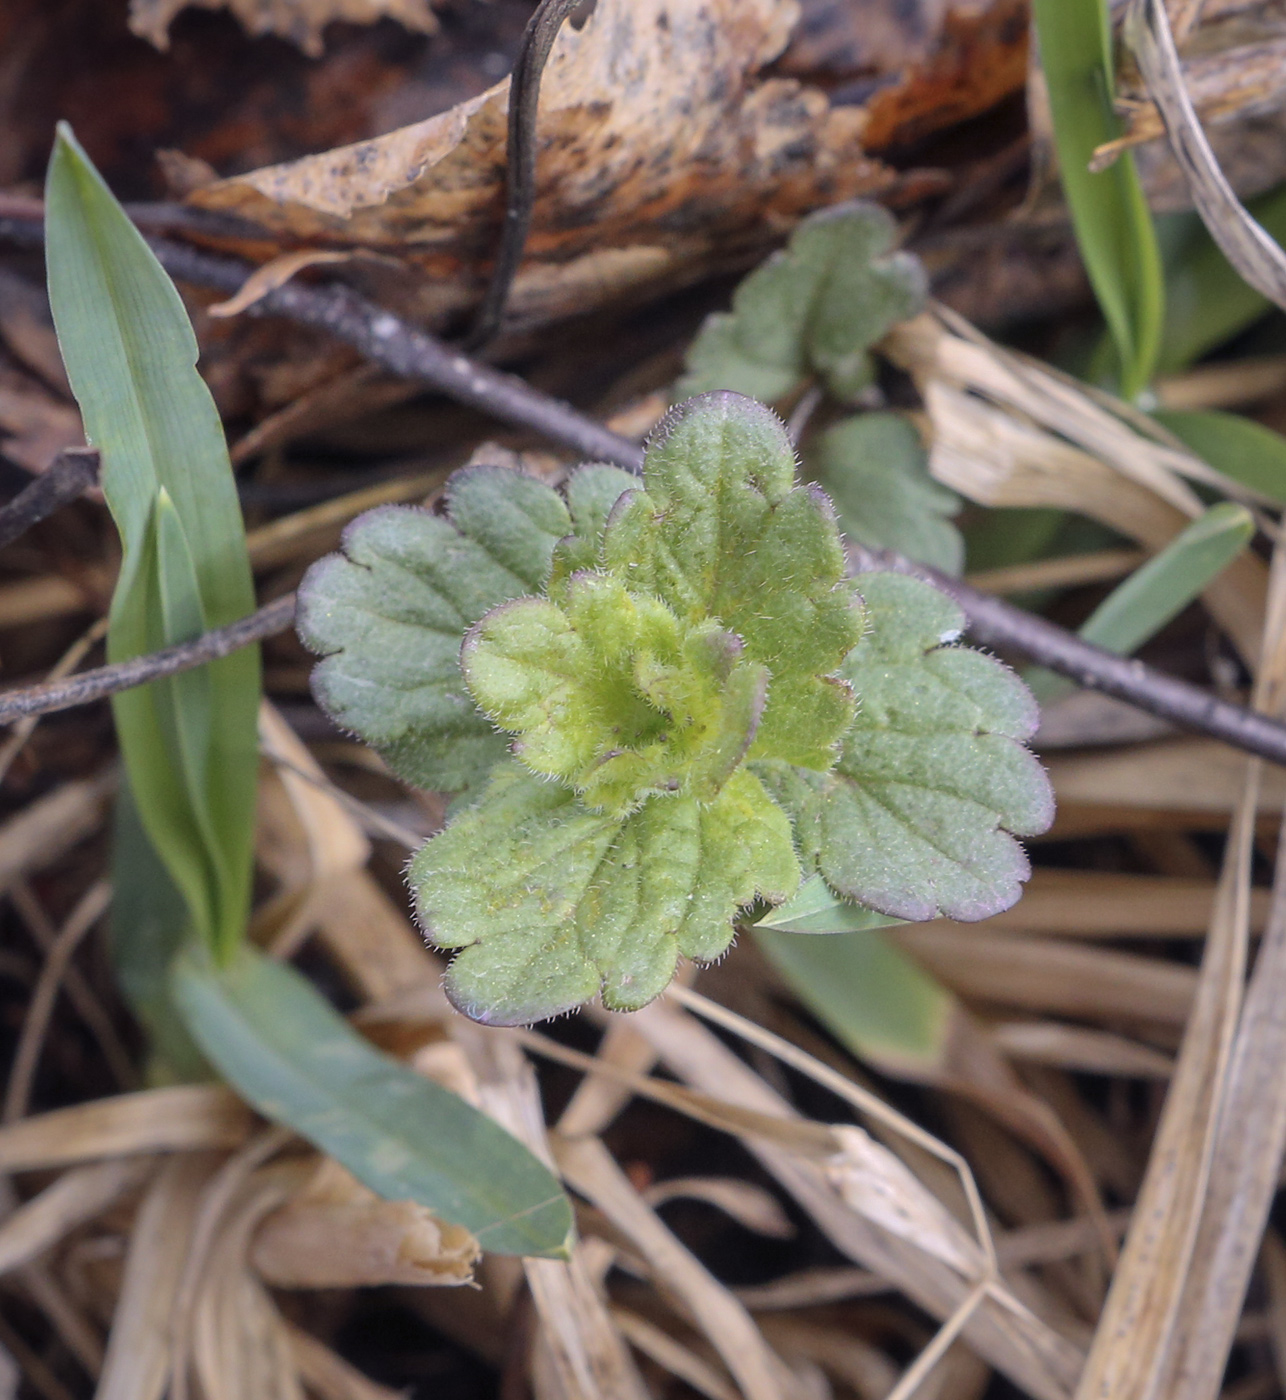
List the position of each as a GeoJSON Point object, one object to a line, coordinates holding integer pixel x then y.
{"type": "Point", "coordinates": [520, 176]}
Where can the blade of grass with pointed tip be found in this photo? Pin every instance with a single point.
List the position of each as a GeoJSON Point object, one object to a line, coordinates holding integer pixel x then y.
{"type": "Point", "coordinates": [1113, 225]}
{"type": "Point", "coordinates": [1159, 590]}
{"type": "Point", "coordinates": [1239, 447]}
{"type": "Point", "coordinates": [296, 1059]}
{"type": "Point", "coordinates": [131, 358]}
{"type": "Point", "coordinates": [816, 908]}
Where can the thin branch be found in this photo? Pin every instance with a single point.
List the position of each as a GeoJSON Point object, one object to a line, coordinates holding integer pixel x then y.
{"type": "Point", "coordinates": [520, 174]}
{"type": "Point", "coordinates": [998, 624]}
{"type": "Point", "coordinates": [415, 354]}
{"type": "Point", "coordinates": [108, 680]}
{"type": "Point", "coordinates": [68, 476]}
{"type": "Point", "coordinates": [382, 337]}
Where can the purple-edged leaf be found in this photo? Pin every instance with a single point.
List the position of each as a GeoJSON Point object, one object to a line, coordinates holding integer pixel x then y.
{"type": "Point", "coordinates": [722, 533]}
{"type": "Point", "coordinates": [553, 904]}
{"type": "Point", "coordinates": [389, 612]}
{"type": "Point", "coordinates": [916, 818]}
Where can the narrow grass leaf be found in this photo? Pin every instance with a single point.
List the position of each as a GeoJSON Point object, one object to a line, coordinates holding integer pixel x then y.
{"type": "Point", "coordinates": [815, 908]}
{"type": "Point", "coordinates": [294, 1057]}
{"type": "Point", "coordinates": [148, 919]}
{"type": "Point", "coordinates": [131, 357]}
{"type": "Point", "coordinates": [1158, 591]}
{"type": "Point", "coordinates": [1239, 447]}
{"type": "Point", "coordinates": [1207, 301]}
{"type": "Point", "coordinates": [1168, 582]}
{"type": "Point", "coordinates": [1109, 213]}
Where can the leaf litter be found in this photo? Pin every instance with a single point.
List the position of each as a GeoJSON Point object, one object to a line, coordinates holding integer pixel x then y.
{"type": "Point", "coordinates": [1078, 977]}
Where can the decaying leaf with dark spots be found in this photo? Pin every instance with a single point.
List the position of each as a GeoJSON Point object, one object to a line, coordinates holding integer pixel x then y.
{"type": "Point", "coordinates": [663, 151]}
{"type": "Point", "coordinates": [300, 21]}
{"type": "Point", "coordinates": [917, 66]}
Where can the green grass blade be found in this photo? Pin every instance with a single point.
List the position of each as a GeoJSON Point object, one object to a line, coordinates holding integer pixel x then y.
{"type": "Point", "coordinates": [146, 731]}
{"type": "Point", "coordinates": [1109, 213]}
{"type": "Point", "coordinates": [870, 995]}
{"type": "Point", "coordinates": [1207, 299]}
{"type": "Point", "coordinates": [816, 908]}
{"type": "Point", "coordinates": [1239, 447]}
{"type": "Point", "coordinates": [131, 358]}
{"type": "Point", "coordinates": [148, 920]}
{"type": "Point", "coordinates": [1160, 589]}
{"type": "Point", "coordinates": [288, 1052]}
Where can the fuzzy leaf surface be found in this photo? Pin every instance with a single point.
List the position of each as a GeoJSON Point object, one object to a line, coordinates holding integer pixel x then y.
{"type": "Point", "coordinates": [914, 821]}
{"type": "Point", "coordinates": [813, 309]}
{"type": "Point", "coordinates": [553, 903]}
{"type": "Point", "coordinates": [875, 470]}
{"type": "Point", "coordinates": [388, 615]}
{"type": "Point", "coordinates": [592, 490]}
{"type": "Point", "coordinates": [721, 532]}
{"type": "Point", "coordinates": [613, 695]}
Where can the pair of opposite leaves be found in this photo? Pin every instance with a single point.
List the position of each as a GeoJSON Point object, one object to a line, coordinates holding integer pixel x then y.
{"type": "Point", "coordinates": [700, 701]}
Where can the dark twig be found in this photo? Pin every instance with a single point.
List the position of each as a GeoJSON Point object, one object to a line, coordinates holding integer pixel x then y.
{"type": "Point", "coordinates": [411, 353]}
{"type": "Point", "coordinates": [999, 624]}
{"type": "Point", "coordinates": [108, 680]}
{"type": "Point", "coordinates": [520, 175]}
{"type": "Point", "coordinates": [384, 338]}
{"type": "Point", "coordinates": [71, 473]}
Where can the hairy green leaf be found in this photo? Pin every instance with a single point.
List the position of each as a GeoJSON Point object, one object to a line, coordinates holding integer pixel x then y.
{"type": "Point", "coordinates": [721, 532]}
{"type": "Point", "coordinates": [389, 613]}
{"type": "Point", "coordinates": [189, 742]}
{"type": "Point", "coordinates": [1113, 225]}
{"type": "Point", "coordinates": [291, 1055]}
{"type": "Point", "coordinates": [711, 632]}
{"type": "Point", "coordinates": [914, 819]}
{"type": "Point", "coordinates": [875, 470]}
{"type": "Point", "coordinates": [592, 491]}
{"type": "Point", "coordinates": [613, 695]}
{"type": "Point", "coordinates": [814, 309]}
{"type": "Point", "coordinates": [554, 904]}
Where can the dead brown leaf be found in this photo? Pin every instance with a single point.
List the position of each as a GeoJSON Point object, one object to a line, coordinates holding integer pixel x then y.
{"type": "Point", "coordinates": [336, 1233]}
{"type": "Point", "coordinates": [300, 21]}
{"type": "Point", "coordinates": [663, 152]}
